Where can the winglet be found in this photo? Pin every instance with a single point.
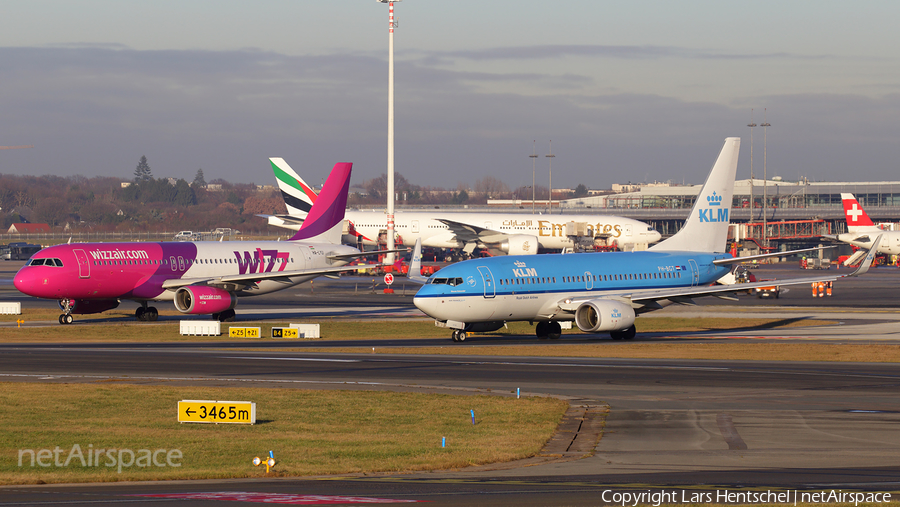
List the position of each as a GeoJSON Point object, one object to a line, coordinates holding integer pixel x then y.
{"type": "Point", "coordinates": [867, 262]}
{"type": "Point", "coordinates": [326, 217]}
{"type": "Point", "coordinates": [415, 264]}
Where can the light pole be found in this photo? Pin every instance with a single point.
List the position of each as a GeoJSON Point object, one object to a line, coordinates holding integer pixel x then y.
{"type": "Point", "coordinates": [765, 126]}
{"type": "Point", "coordinates": [533, 158]}
{"type": "Point", "coordinates": [389, 258]}
{"type": "Point", "coordinates": [751, 125]}
{"type": "Point", "coordinates": [551, 156]}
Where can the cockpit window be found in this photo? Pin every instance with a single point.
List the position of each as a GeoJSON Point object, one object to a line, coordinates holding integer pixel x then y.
{"type": "Point", "coordinates": [453, 282]}
{"type": "Point", "coordinates": [46, 262]}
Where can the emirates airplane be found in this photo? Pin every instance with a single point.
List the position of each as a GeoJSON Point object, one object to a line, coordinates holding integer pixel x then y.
{"type": "Point", "coordinates": [500, 233]}
{"type": "Point", "coordinates": [201, 278]}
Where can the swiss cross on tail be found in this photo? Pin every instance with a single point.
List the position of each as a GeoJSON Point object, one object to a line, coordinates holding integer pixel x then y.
{"type": "Point", "coordinates": [856, 216]}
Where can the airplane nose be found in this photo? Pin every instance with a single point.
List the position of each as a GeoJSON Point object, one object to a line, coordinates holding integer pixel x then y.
{"type": "Point", "coordinates": [426, 305]}
{"type": "Point", "coordinates": [23, 281]}
{"type": "Point", "coordinates": [28, 282]}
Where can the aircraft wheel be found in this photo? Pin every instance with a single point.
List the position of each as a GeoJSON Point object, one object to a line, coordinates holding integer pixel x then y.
{"type": "Point", "coordinates": [615, 335]}
{"type": "Point", "coordinates": [152, 314]}
{"type": "Point", "coordinates": [554, 330]}
{"type": "Point", "coordinates": [215, 316]}
{"type": "Point", "coordinates": [61, 318]}
{"type": "Point", "coordinates": [66, 319]}
{"type": "Point", "coordinates": [227, 316]}
{"type": "Point", "coordinates": [455, 335]}
{"type": "Point", "coordinates": [541, 330]}
{"type": "Point", "coordinates": [140, 313]}
{"type": "Point", "coordinates": [629, 333]}
{"type": "Point", "coordinates": [462, 336]}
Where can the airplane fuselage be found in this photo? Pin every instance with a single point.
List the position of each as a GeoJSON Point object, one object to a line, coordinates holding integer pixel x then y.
{"type": "Point", "coordinates": [550, 230]}
{"type": "Point", "coordinates": [100, 271]}
{"type": "Point", "coordinates": [890, 240]}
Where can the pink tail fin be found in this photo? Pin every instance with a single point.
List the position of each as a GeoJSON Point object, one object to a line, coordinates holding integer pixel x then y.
{"type": "Point", "coordinates": [328, 210]}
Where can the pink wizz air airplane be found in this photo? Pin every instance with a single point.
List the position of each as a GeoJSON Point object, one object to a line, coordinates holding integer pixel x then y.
{"type": "Point", "coordinates": [202, 277]}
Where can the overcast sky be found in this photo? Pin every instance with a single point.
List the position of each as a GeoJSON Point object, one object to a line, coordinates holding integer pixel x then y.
{"type": "Point", "coordinates": [628, 91]}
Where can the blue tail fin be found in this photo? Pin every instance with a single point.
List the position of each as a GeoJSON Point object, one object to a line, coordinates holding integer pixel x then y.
{"type": "Point", "coordinates": [326, 217]}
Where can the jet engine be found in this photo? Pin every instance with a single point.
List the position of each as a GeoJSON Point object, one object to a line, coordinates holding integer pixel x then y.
{"type": "Point", "coordinates": [196, 299]}
{"type": "Point", "coordinates": [604, 315]}
{"type": "Point", "coordinates": [86, 306]}
{"type": "Point", "coordinates": [519, 244]}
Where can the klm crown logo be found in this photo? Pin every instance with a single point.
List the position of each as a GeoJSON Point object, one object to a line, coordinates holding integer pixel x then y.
{"type": "Point", "coordinates": [715, 212]}
{"type": "Point", "coordinates": [616, 314]}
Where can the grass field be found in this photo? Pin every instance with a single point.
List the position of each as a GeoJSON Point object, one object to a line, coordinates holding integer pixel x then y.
{"type": "Point", "coordinates": [310, 432]}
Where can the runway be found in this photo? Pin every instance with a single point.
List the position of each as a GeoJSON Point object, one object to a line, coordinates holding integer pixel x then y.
{"type": "Point", "coordinates": [673, 424]}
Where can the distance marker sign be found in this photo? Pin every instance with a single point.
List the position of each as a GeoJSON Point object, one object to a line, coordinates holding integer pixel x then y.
{"type": "Point", "coordinates": [217, 412]}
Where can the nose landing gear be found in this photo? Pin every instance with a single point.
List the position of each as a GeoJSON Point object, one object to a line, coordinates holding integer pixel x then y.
{"type": "Point", "coordinates": [66, 305]}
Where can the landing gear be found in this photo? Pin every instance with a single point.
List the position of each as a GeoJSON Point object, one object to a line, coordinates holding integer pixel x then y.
{"type": "Point", "coordinates": [459, 335]}
{"type": "Point", "coordinates": [548, 329]}
{"type": "Point", "coordinates": [146, 313]}
{"type": "Point", "coordinates": [226, 316]}
{"type": "Point", "coordinates": [625, 334]}
{"type": "Point", "coordinates": [66, 305]}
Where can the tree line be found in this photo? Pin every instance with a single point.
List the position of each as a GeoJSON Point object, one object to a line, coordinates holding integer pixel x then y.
{"type": "Point", "coordinates": [145, 203]}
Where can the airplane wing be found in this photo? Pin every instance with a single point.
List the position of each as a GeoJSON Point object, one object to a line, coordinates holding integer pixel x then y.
{"type": "Point", "coordinates": [366, 254]}
{"type": "Point", "coordinates": [236, 282]}
{"type": "Point", "coordinates": [468, 233]}
{"type": "Point", "coordinates": [750, 258]}
{"type": "Point", "coordinates": [683, 295]}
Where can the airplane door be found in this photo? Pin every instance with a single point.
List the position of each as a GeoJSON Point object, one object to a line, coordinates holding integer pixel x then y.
{"type": "Point", "coordinates": [489, 291]}
{"type": "Point", "coordinates": [84, 265]}
{"type": "Point", "coordinates": [414, 227]}
{"type": "Point", "coordinates": [695, 272]}
{"type": "Point", "coordinates": [588, 280]}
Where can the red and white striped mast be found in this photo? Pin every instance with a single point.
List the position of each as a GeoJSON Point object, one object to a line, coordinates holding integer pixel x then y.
{"type": "Point", "coordinates": [389, 258]}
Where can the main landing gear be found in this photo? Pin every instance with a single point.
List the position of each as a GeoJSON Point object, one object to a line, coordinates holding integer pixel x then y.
{"type": "Point", "coordinates": [625, 334]}
{"type": "Point", "coordinates": [226, 316]}
{"type": "Point", "coordinates": [548, 329]}
{"type": "Point", "coordinates": [146, 313]}
{"type": "Point", "coordinates": [458, 335]}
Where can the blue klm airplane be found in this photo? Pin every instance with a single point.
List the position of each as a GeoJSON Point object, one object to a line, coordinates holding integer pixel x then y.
{"type": "Point", "coordinates": [601, 292]}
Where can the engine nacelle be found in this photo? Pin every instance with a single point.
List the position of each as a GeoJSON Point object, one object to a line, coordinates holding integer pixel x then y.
{"type": "Point", "coordinates": [196, 299]}
{"type": "Point", "coordinates": [86, 306]}
{"type": "Point", "coordinates": [604, 315]}
{"type": "Point", "coordinates": [519, 244]}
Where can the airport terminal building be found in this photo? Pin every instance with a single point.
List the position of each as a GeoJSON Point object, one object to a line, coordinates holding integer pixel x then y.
{"type": "Point", "coordinates": [775, 202]}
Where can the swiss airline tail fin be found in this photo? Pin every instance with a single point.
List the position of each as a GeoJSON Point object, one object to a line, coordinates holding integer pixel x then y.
{"type": "Point", "coordinates": [857, 219]}
{"type": "Point", "coordinates": [325, 221]}
{"type": "Point", "coordinates": [706, 229]}
{"type": "Point", "coordinates": [298, 196]}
